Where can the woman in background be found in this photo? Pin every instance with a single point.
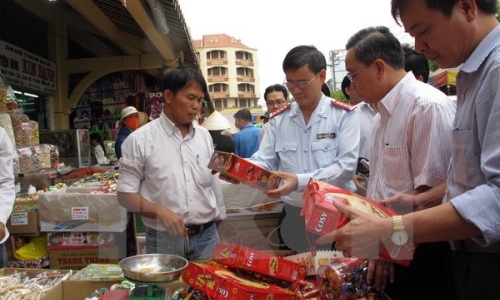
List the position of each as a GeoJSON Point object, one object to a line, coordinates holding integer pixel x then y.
{"type": "Point", "coordinates": [98, 149]}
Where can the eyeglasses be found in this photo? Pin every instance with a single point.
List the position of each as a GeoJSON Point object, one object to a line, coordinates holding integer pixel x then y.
{"type": "Point", "coordinates": [301, 84]}
{"type": "Point", "coordinates": [350, 76]}
{"type": "Point", "coordinates": [275, 103]}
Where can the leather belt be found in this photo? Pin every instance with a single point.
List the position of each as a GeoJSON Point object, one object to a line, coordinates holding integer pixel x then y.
{"type": "Point", "coordinates": [195, 229]}
{"type": "Point", "coordinates": [473, 247]}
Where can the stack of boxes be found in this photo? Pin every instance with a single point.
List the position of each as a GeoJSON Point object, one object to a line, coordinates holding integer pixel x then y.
{"type": "Point", "coordinates": [82, 227]}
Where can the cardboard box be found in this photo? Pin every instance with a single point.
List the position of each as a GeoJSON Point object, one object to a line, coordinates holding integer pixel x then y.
{"type": "Point", "coordinates": [254, 231]}
{"type": "Point", "coordinates": [244, 258]}
{"type": "Point", "coordinates": [75, 259]}
{"type": "Point", "coordinates": [76, 209]}
{"type": "Point", "coordinates": [140, 244]}
{"type": "Point", "coordinates": [75, 289]}
{"type": "Point", "coordinates": [72, 240]}
{"type": "Point", "coordinates": [54, 293]}
{"type": "Point", "coordinates": [243, 170]}
{"type": "Point", "coordinates": [24, 223]}
{"type": "Point", "coordinates": [24, 218]}
{"type": "Point", "coordinates": [322, 217]}
{"type": "Point", "coordinates": [220, 283]}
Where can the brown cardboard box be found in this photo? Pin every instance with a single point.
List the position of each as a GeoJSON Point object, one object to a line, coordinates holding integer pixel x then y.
{"type": "Point", "coordinates": [76, 259]}
{"type": "Point", "coordinates": [54, 293]}
{"type": "Point", "coordinates": [24, 219]}
{"type": "Point", "coordinates": [254, 231]}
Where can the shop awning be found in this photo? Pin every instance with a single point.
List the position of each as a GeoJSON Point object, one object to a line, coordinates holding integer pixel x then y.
{"type": "Point", "coordinates": [442, 77]}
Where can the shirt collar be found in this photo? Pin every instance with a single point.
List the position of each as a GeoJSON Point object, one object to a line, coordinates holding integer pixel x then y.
{"type": "Point", "coordinates": [482, 51]}
{"type": "Point", "coordinates": [390, 101]}
{"type": "Point", "coordinates": [170, 127]}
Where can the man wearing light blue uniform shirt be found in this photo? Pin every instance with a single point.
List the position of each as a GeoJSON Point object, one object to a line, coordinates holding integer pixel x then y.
{"type": "Point", "coordinates": [315, 136]}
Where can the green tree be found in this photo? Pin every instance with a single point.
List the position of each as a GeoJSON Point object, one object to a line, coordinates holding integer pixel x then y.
{"type": "Point", "coordinates": [433, 66]}
{"type": "Point", "coordinates": [338, 95]}
{"type": "Point", "coordinates": [498, 10]}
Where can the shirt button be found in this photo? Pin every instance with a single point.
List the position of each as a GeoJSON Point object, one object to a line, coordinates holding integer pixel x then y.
{"type": "Point", "coordinates": [305, 169]}
{"type": "Point", "coordinates": [305, 150]}
{"type": "Point", "coordinates": [305, 131]}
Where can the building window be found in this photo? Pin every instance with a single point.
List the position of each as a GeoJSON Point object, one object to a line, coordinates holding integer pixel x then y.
{"type": "Point", "coordinates": [246, 88]}
{"type": "Point", "coordinates": [242, 55]}
{"type": "Point", "coordinates": [216, 54]}
{"type": "Point", "coordinates": [217, 71]}
{"type": "Point", "coordinates": [244, 72]}
{"type": "Point", "coordinates": [218, 87]}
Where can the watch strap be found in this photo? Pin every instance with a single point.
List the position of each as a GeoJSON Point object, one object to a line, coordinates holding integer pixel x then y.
{"type": "Point", "coordinates": [397, 223]}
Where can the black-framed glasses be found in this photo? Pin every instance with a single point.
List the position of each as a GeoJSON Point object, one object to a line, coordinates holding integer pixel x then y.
{"type": "Point", "coordinates": [350, 76]}
{"type": "Point", "coordinates": [300, 84]}
{"type": "Point", "coordinates": [275, 103]}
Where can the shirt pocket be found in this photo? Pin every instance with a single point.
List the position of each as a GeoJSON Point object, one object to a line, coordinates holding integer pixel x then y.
{"type": "Point", "coordinates": [463, 163]}
{"type": "Point", "coordinates": [324, 152]}
{"type": "Point", "coordinates": [398, 169]}
{"type": "Point", "coordinates": [201, 173]}
{"type": "Point", "coordinates": [287, 152]}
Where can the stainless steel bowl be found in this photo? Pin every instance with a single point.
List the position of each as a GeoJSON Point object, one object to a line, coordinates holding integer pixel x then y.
{"type": "Point", "coordinates": [153, 267]}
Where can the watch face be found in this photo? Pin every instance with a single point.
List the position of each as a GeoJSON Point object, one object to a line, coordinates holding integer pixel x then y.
{"type": "Point", "coordinates": [399, 237]}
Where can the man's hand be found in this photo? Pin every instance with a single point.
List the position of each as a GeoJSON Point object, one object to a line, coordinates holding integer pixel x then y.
{"type": "Point", "coordinates": [360, 181]}
{"type": "Point", "coordinates": [228, 179]}
{"type": "Point", "coordinates": [289, 183]}
{"type": "Point", "coordinates": [362, 237]}
{"type": "Point", "coordinates": [380, 270]}
{"type": "Point", "coordinates": [172, 222]}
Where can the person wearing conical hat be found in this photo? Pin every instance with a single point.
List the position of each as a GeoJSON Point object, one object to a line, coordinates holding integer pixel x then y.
{"type": "Point", "coordinates": [130, 120]}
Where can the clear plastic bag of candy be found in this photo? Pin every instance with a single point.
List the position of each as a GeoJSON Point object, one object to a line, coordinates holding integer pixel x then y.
{"type": "Point", "coordinates": [344, 279]}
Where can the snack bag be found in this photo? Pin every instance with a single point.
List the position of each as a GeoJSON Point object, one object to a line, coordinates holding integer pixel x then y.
{"type": "Point", "coordinates": [344, 278]}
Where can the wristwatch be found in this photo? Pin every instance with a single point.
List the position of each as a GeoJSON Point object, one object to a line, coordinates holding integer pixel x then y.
{"type": "Point", "coordinates": [399, 235]}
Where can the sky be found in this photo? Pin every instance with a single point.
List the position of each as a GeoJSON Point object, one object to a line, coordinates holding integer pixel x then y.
{"type": "Point", "coordinates": [273, 27]}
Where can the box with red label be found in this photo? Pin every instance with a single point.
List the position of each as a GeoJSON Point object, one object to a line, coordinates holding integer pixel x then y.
{"type": "Point", "coordinates": [322, 217]}
{"type": "Point", "coordinates": [243, 170]}
{"type": "Point", "coordinates": [236, 256]}
{"type": "Point", "coordinates": [220, 283]}
{"type": "Point", "coordinates": [70, 240]}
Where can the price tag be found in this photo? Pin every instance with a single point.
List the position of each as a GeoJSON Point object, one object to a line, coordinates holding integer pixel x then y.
{"type": "Point", "coordinates": [37, 150]}
{"type": "Point", "coordinates": [80, 213]}
{"type": "Point", "coordinates": [25, 151]}
{"type": "Point", "coordinates": [25, 126]}
{"type": "Point", "coordinates": [20, 218]}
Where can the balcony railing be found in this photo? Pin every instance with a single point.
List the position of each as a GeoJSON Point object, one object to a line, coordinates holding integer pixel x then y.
{"type": "Point", "coordinates": [216, 62]}
{"type": "Point", "coordinates": [217, 78]}
{"type": "Point", "coordinates": [241, 62]}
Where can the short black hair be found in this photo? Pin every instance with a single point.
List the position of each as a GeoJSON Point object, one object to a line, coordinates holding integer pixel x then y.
{"type": "Point", "coordinates": [276, 88]}
{"type": "Point", "coordinates": [416, 62]}
{"type": "Point", "coordinates": [243, 114]}
{"type": "Point", "coordinates": [326, 90]}
{"type": "Point", "coordinates": [345, 84]}
{"type": "Point", "coordinates": [178, 78]}
{"type": "Point", "coordinates": [301, 56]}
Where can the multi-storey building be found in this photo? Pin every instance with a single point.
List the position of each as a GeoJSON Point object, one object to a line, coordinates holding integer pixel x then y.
{"type": "Point", "coordinates": [231, 70]}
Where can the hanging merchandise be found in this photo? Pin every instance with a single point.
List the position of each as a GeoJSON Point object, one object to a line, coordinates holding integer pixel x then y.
{"type": "Point", "coordinates": [8, 99]}
{"type": "Point", "coordinates": [155, 105]}
{"type": "Point", "coordinates": [105, 132]}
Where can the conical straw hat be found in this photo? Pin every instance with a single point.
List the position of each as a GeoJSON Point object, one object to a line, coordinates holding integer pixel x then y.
{"type": "Point", "coordinates": [216, 121]}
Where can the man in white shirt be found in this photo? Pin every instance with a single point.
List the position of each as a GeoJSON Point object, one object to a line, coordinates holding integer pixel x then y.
{"type": "Point", "coordinates": [410, 147]}
{"type": "Point", "coordinates": [164, 175]}
{"type": "Point", "coordinates": [7, 191]}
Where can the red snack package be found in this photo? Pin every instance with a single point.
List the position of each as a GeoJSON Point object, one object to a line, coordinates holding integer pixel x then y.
{"type": "Point", "coordinates": [322, 217]}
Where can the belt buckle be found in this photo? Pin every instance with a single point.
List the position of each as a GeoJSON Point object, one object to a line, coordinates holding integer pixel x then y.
{"type": "Point", "coordinates": [193, 229]}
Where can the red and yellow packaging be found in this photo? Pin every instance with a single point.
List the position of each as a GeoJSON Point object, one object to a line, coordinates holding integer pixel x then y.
{"type": "Point", "coordinates": [220, 283]}
{"type": "Point", "coordinates": [240, 169]}
{"type": "Point", "coordinates": [322, 217]}
{"type": "Point", "coordinates": [240, 257]}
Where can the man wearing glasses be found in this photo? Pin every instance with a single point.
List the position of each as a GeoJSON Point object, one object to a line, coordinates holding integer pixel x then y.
{"type": "Point", "coordinates": [314, 136]}
{"type": "Point", "coordinates": [409, 151]}
{"type": "Point", "coordinates": [276, 96]}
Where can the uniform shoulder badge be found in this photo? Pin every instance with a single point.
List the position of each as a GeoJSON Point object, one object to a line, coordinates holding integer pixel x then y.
{"type": "Point", "coordinates": [343, 105]}
{"type": "Point", "coordinates": [280, 110]}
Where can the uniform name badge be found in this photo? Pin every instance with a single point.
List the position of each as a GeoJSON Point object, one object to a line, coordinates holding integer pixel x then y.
{"type": "Point", "coordinates": [321, 136]}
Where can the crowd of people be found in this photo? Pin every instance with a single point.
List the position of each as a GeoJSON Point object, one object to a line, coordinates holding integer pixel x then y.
{"type": "Point", "coordinates": [399, 141]}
